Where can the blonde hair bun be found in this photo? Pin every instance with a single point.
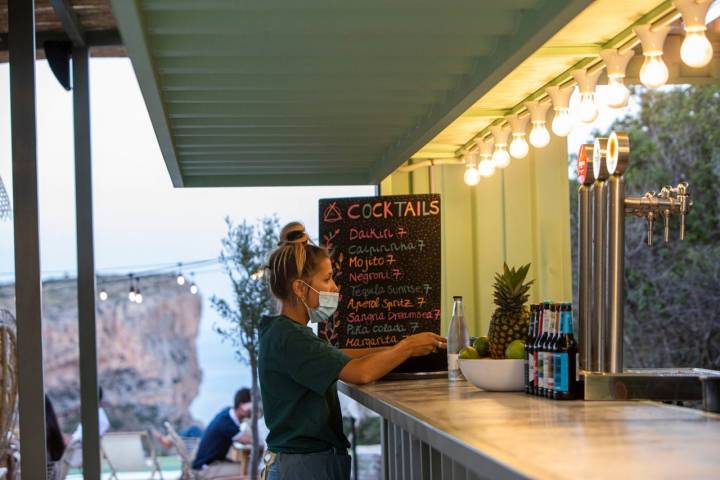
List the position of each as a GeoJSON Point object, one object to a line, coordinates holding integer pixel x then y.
{"type": "Point", "coordinates": [295, 258]}
{"type": "Point", "coordinates": [293, 233]}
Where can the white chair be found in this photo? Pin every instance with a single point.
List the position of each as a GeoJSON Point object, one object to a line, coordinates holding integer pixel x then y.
{"type": "Point", "coordinates": [125, 452]}
{"type": "Point", "coordinates": [186, 449]}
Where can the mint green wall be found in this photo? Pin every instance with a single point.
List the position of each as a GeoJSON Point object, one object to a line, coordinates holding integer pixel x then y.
{"type": "Point", "coordinates": [519, 215]}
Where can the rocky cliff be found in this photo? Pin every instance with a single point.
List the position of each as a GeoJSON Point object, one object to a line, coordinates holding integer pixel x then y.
{"type": "Point", "coordinates": [147, 355]}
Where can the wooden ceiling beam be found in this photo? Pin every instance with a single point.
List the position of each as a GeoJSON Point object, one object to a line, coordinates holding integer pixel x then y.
{"type": "Point", "coordinates": [70, 22]}
{"type": "Point", "coordinates": [93, 38]}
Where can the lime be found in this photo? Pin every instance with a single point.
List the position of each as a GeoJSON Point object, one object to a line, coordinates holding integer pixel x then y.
{"type": "Point", "coordinates": [482, 345]}
{"type": "Point", "coordinates": [515, 350]}
{"type": "Point", "coordinates": [469, 352]}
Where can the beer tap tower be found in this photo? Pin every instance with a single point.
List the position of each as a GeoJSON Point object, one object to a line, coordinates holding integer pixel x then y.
{"type": "Point", "coordinates": [602, 206]}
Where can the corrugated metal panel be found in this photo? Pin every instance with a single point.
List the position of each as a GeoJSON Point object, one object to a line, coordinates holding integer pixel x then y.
{"type": "Point", "coordinates": [318, 91]}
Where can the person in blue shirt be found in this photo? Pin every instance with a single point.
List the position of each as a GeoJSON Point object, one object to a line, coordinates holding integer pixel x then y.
{"type": "Point", "coordinates": [298, 371]}
{"type": "Point", "coordinates": [210, 459]}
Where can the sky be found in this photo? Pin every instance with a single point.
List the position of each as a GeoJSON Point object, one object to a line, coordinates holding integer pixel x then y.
{"type": "Point", "coordinates": [140, 219]}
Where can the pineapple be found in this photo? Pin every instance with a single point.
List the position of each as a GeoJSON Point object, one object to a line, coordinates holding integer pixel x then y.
{"type": "Point", "coordinates": [510, 319]}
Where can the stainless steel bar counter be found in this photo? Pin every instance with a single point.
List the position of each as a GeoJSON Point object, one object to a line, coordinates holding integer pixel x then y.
{"type": "Point", "coordinates": [436, 430]}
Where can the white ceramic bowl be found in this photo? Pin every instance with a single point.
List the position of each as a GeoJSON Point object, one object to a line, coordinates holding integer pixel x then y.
{"type": "Point", "coordinates": [494, 375]}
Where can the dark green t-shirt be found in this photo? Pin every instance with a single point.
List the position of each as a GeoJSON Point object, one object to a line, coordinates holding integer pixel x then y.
{"type": "Point", "coordinates": [298, 380]}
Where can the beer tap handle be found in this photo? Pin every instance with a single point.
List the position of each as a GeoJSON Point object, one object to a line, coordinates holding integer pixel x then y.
{"type": "Point", "coordinates": [682, 225]}
{"type": "Point", "coordinates": [666, 230]}
{"type": "Point", "coordinates": [685, 204]}
{"type": "Point", "coordinates": [650, 218]}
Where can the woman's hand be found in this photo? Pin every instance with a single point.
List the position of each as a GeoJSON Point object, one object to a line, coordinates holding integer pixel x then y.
{"type": "Point", "coordinates": [423, 343]}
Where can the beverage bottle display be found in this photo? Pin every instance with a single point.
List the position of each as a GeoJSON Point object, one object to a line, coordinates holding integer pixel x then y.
{"type": "Point", "coordinates": [550, 349]}
{"type": "Point", "coordinates": [540, 348]}
{"type": "Point", "coordinates": [537, 331]}
{"type": "Point", "coordinates": [457, 338]}
{"type": "Point", "coordinates": [529, 356]}
{"type": "Point", "coordinates": [554, 347]}
{"type": "Point", "coordinates": [566, 358]}
{"type": "Point", "coordinates": [547, 354]}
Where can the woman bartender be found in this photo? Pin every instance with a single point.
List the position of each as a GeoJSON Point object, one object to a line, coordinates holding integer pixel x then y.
{"type": "Point", "coordinates": [298, 371]}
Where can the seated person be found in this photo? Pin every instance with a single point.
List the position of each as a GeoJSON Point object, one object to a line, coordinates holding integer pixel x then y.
{"type": "Point", "coordinates": [219, 436]}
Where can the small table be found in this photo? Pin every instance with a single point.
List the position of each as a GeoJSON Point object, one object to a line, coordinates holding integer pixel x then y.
{"type": "Point", "coordinates": [239, 453]}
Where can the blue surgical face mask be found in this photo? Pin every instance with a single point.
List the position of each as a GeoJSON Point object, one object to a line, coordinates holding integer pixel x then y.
{"type": "Point", "coordinates": [327, 305]}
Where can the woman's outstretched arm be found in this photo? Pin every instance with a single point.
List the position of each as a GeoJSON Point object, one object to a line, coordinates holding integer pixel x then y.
{"type": "Point", "coordinates": [361, 352]}
{"type": "Point", "coordinates": [373, 366]}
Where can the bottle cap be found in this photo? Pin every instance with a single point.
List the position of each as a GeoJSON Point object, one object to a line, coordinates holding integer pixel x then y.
{"type": "Point", "coordinates": [457, 297]}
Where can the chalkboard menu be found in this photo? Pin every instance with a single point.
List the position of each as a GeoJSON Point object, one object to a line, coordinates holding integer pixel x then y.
{"type": "Point", "coordinates": [386, 260]}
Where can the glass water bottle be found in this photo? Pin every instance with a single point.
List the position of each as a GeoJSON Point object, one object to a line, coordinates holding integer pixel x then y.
{"type": "Point", "coordinates": [457, 339]}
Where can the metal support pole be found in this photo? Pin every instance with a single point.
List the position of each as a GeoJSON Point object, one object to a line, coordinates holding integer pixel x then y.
{"type": "Point", "coordinates": [599, 317]}
{"type": "Point", "coordinates": [585, 307]}
{"type": "Point", "coordinates": [28, 282]}
{"type": "Point", "coordinates": [616, 274]}
{"type": "Point", "coordinates": [385, 443]}
{"type": "Point", "coordinates": [431, 177]}
{"type": "Point", "coordinates": [85, 266]}
{"type": "Point", "coordinates": [353, 432]}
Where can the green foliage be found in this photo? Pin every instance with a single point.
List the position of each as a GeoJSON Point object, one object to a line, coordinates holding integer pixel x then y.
{"type": "Point", "coordinates": [509, 291]}
{"type": "Point", "coordinates": [244, 253]}
{"type": "Point", "coordinates": [673, 290]}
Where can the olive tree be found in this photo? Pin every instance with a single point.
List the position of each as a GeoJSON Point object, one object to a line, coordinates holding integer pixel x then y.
{"type": "Point", "coordinates": [243, 256]}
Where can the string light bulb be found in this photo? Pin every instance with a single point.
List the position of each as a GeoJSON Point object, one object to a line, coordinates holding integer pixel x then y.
{"type": "Point", "coordinates": [193, 286]}
{"type": "Point", "coordinates": [500, 156]}
{"type": "Point", "coordinates": [103, 295]}
{"type": "Point", "coordinates": [180, 278]}
{"type": "Point", "coordinates": [471, 176]}
{"type": "Point", "coordinates": [653, 73]}
{"type": "Point", "coordinates": [562, 123]}
{"type": "Point", "coordinates": [131, 293]}
{"type": "Point", "coordinates": [587, 81]}
{"type": "Point", "coordinates": [616, 64]}
{"type": "Point", "coordinates": [486, 167]}
{"type": "Point", "coordinates": [696, 50]}
{"type": "Point", "coordinates": [138, 294]}
{"type": "Point", "coordinates": [539, 135]}
{"type": "Point", "coordinates": [518, 145]}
